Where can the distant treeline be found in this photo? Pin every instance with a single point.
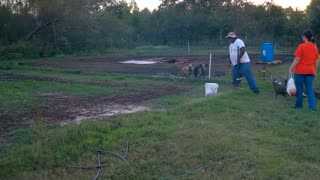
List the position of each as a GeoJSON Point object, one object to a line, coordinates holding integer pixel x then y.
{"type": "Point", "coordinates": [33, 28]}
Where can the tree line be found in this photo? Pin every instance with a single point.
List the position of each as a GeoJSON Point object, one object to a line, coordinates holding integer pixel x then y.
{"type": "Point", "coordinates": [33, 28]}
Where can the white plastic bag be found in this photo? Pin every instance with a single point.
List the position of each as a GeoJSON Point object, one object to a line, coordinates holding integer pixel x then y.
{"type": "Point", "coordinates": [291, 87]}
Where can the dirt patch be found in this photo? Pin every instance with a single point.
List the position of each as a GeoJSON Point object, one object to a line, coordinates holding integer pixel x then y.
{"type": "Point", "coordinates": [61, 108]}
{"type": "Point", "coordinates": [66, 109]}
{"type": "Point", "coordinates": [115, 109]}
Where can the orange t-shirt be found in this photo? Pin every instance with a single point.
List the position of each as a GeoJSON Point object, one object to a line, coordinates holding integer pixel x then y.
{"type": "Point", "coordinates": [308, 54]}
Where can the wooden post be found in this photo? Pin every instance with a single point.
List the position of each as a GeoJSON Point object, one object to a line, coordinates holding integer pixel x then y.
{"type": "Point", "coordinates": [264, 53]}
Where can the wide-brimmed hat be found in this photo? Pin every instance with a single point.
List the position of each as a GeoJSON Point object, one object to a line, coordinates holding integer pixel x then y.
{"type": "Point", "coordinates": [231, 35]}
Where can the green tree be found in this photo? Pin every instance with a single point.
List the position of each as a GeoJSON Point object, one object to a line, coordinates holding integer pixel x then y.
{"type": "Point", "coordinates": [5, 18]}
{"type": "Point", "coordinates": [55, 26]}
{"type": "Point", "coordinates": [313, 13]}
{"type": "Point", "coordinates": [274, 20]}
{"type": "Point", "coordinates": [296, 22]}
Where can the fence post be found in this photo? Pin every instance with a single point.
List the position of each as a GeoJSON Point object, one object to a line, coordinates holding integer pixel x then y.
{"type": "Point", "coordinates": [210, 66]}
{"type": "Point", "coordinates": [188, 48]}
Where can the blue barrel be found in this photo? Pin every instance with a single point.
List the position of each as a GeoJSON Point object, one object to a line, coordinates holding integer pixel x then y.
{"type": "Point", "coordinates": [267, 52]}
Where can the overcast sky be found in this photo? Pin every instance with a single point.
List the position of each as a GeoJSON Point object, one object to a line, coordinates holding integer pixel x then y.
{"type": "Point", "coordinates": [301, 4]}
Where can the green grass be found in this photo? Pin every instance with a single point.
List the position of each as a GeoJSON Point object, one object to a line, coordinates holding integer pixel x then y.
{"type": "Point", "coordinates": [233, 135]}
{"type": "Point", "coordinates": [247, 140]}
{"type": "Point", "coordinates": [23, 94]}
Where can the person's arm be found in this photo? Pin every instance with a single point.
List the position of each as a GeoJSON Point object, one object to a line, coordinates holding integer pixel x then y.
{"type": "Point", "coordinates": [293, 65]}
{"type": "Point", "coordinates": [241, 52]}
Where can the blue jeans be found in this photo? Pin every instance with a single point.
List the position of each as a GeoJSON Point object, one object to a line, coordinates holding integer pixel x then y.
{"type": "Point", "coordinates": [244, 70]}
{"type": "Point", "coordinates": [307, 80]}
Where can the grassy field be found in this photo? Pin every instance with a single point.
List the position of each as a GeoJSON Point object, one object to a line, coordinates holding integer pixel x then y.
{"type": "Point", "coordinates": [232, 135]}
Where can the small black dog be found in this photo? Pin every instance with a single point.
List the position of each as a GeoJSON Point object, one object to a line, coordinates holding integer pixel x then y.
{"type": "Point", "coordinates": [279, 88]}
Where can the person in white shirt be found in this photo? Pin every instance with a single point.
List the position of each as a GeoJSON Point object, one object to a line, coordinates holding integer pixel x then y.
{"type": "Point", "coordinates": [241, 63]}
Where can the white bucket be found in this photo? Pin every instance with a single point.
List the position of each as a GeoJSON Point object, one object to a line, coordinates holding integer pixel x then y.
{"type": "Point", "coordinates": [211, 89]}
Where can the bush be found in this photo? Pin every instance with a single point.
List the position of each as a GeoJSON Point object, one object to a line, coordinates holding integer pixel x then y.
{"type": "Point", "coordinates": [18, 51]}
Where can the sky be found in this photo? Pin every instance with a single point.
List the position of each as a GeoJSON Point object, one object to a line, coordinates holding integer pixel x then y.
{"type": "Point", "coordinates": [300, 4]}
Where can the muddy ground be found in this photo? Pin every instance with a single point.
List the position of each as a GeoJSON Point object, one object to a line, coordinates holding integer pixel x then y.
{"type": "Point", "coordinates": [63, 109]}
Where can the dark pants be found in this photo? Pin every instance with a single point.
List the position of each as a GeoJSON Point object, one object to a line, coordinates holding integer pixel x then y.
{"type": "Point", "coordinates": [307, 80]}
{"type": "Point", "coordinates": [244, 70]}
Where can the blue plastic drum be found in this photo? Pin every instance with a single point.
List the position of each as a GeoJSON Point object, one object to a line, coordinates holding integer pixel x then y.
{"type": "Point", "coordinates": [267, 53]}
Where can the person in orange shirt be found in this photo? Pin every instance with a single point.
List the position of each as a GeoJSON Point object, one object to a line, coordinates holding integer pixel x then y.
{"type": "Point", "coordinates": [304, 67]}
